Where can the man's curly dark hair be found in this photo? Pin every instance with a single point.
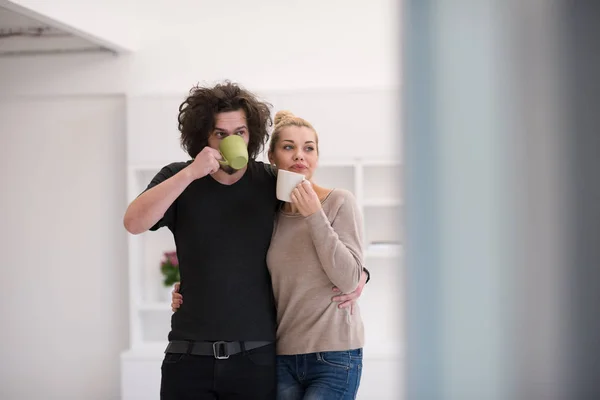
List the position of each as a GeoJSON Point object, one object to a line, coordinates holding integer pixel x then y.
{"type": "Point", "coordinates": [197, 116]}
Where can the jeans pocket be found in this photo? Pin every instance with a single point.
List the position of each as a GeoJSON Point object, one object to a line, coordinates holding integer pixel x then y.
{"type": "Point", "coordinates": [173, 358]}
{"type": "Point", "coordinates": [262, 356]}
{"type": "Point", "coordinates": [338, 359]}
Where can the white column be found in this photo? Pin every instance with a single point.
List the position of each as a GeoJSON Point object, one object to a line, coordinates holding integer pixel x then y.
{"type": "Point", "coordinates": [471, 112]}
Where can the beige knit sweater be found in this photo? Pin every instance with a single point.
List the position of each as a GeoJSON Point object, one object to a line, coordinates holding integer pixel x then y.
{"type": "Point", "coordinates": [307, 257]}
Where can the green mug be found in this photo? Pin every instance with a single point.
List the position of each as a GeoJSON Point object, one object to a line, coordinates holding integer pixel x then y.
{"type": "Point", "coordinates": [234, 152]}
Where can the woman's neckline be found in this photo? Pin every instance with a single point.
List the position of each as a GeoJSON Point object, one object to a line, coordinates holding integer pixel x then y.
{"type": "Point", "coordinates": [292, 214]}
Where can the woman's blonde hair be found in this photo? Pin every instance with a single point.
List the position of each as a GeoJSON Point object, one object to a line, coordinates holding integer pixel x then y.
{"type": "Point", "coordinates": [284, 119]}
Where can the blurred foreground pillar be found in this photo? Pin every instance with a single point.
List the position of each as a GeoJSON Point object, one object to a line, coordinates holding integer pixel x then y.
{"type": "Point", "coordinates": [502, 199]}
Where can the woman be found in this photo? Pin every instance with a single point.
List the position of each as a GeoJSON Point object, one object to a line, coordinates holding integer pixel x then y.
{"type": "Point", "coordinates": [317, 242]}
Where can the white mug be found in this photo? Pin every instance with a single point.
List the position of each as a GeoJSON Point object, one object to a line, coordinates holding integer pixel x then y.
{"type": "Point", "coordinates": [286, 182]}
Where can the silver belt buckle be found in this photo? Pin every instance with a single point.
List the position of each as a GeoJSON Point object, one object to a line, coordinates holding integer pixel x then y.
{"type": "Point", "coordinates": [217, 347]}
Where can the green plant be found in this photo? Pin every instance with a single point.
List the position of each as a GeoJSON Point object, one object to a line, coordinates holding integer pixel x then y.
{"type": "Point", "coordinates": [169, 267]}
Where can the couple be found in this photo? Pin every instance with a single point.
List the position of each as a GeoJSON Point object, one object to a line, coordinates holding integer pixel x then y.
{"type": "Point", "coordinates": [236, 285]}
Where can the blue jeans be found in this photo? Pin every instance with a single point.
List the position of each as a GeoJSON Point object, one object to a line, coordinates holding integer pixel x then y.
{"type": "Point", "coordinates": [327, 375]}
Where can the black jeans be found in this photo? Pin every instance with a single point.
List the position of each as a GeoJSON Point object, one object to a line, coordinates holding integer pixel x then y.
{"type": "Point", "coordinates": [249, 375]}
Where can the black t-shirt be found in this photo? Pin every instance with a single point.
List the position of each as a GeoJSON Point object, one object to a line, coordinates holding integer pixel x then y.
{"type": "Point", "coordinates": [222, 234]}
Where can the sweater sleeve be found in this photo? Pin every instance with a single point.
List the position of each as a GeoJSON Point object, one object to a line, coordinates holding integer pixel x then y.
{"type": "Point", "coordinates": [339, 243]}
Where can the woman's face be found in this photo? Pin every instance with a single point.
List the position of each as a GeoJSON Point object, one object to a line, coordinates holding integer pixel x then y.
{"type": "Point", "coordinates": [296, 150]}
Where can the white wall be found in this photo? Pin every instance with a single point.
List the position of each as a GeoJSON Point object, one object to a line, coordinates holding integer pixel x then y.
{"type": "Point", "coordinates": [63, 247]}
{"type": "Point", "coordinates": [267, 45]}
{"type": "Point", "coordinates": [351, 123]}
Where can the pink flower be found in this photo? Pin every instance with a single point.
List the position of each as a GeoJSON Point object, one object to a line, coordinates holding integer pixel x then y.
{"type": "Point", "coordinates": [171, 258]}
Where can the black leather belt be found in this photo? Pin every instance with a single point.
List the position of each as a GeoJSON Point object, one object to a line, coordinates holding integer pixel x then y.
{"type": "Point", "coordinates": [220, 350]}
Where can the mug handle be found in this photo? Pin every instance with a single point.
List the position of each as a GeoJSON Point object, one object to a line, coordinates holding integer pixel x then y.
{"type": "Point", "coordinates": [223, 161]}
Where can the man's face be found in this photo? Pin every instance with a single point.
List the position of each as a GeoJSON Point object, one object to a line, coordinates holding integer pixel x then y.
{"type": "Point", "coordinates": [226, 124]}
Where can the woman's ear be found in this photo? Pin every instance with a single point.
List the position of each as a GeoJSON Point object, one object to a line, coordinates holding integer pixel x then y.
{"type": "Point", "coordinates": [270, 156]}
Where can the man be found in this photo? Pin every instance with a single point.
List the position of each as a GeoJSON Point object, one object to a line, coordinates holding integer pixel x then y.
{"type": "Point", "coordinates": [221, 344]}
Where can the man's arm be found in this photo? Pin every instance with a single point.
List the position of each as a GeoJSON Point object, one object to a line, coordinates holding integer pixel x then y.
{"type": "Point", "coordinates": [148, 208]}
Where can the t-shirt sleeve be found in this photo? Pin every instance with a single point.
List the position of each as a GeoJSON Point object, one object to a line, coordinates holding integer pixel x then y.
{"type": "Point", "coordinates": [168, 219]}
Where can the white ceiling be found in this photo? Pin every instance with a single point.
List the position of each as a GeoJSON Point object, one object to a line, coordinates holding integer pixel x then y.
{"type": "Point", "coordinates": [22, 35]}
